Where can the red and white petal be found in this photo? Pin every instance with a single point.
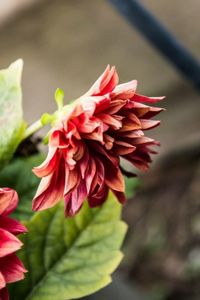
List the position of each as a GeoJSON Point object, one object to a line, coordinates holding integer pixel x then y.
{"type": "Point", "coordinates": [108, 141]}
{"type": "Point", "coordinates": [122, 148]}
{"type": "Point", "coordinates": [149, 124]}
{"type": "Point", "coordinates": [125, 90]}
{"type": "Point", "coordinates": [145, 99]}
{"type": "Point", "coordinates": [113, 121]}
{"type": "Point", "coordinates": [75, 199]}
{"type": "Point", "coordinates": [132, 134]}
{"type": "Point", "coordinates": [57, 139]}
{"type": "Point", "coordinates": [84, 164]}
{"type": "Point", "coordinates": [49, 164]}
{"type": "Point", "coordinates": [105, 83]}
{"type": "Point", "coordinates": [115, 106]}
{"type": "Point", "coordinates": [51, 189]}
{"type": "Point", "coordinates": [72, 179]}
{"type": "Point", "coordinates": [90, 174]}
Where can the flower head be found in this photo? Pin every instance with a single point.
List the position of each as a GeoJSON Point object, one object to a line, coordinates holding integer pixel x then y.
{"type": "Point", "coordinates": [85, 146]}
{"type": "Point", "coordinates": [11, 268]}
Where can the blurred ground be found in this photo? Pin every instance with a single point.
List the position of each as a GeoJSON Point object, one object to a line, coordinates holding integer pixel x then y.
{"type": "Point", "coordinates": [67, 44]}
{"type": "Point", "coordinates": [162, 252]}
{"type": "Point", "coordinates": [10, 8]}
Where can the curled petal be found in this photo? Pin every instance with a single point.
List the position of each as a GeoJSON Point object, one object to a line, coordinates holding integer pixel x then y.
{"type": "Point", "coordinates": [8, 243]}
{"type": "Point", "coordinates": [13, 226]}
{"type": "Point", "coordinates": [144, 140]}
{"type": "Point", "coordinates": [70, 130]}
{"type": "Point", "coordinates": [120, 196]}
{"type": "Point", "coordinates": [130, 125]}
{"type": "Point", "coordinates": [84, 164]}
{"type": "Point", "coordinates": [74, 200]}
{"type": "Point", "coordinates": [108, 141]}
{"type": "Point", "coordinates": [58, 139]}
{"type": "Point", "coordinates": [50, 190]}
{"type": "Point", "coordinates": [86, 124]}
{"type": "Point", "coordinates": [114, 179]}
{"type": "Point", "coordinates": [153, 111]}
{"type": "Point", "coordinates": [115, 106]}
{"type": "Point", "coordinates": [145, 99]}
{"type": "Point", "coordinates": [96, 135]}
{"type": "Point", "coordinates": [88, 106]}
{"type": "Point", "coordinates": [132, 134]}
{"type": "Point", "coordinates": [140, 158]}
{"type": "Point", "coordinates": [90, 174]}
{"type": "Point", "coordinates": [149, 124]}
{"type": "Point", "coordinates": [99, 196]}
{"type": "Point", "coordinates": [8, 201]}
{"type": "Point", "coordinates": [122, 148]}
{"type": "Point", "coordinates": [72, 179]}
{"type": "Point", "coordinates": [12, 268]}
{"type": "Point", "coordinates": [99, 177]}
{"type": "Point", "coordinates": [2, 282]}
{"type": "Point", "coordinates": [105, 84]}
{"type": "Point", "coordinates": [104, 153]}
{"type": "Point", "coordinates": [125, 90]}
{"type": "Point", "coordinates": [100, 103]}
{"type": "Point", "coordinates": [113, 121]}
{"type": "Point", "coordinates": [49, 164]}
{"type": "Point", "coordinates": [145, 111]}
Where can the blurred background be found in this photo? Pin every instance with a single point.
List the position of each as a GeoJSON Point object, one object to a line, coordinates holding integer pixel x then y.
{"type": "Point", "coordinates": [67, 44]}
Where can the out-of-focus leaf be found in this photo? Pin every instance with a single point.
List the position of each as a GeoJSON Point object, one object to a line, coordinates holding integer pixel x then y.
{"type": "Point", "coordinates": [131, 186]}
{"type": "Point", "coordinates": [18, 175]}
{"type": "Point", "coordinates": [69, 258]}
{"type": "Point", "coordinates": [11, 116]}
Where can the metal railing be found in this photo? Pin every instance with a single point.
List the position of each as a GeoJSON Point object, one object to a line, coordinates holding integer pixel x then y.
{"type": "Point", "coordinates": [161, 38]}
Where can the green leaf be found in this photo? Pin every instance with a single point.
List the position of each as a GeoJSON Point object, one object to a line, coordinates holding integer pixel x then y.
{"type": "Point", "coordinates": [18, 175]}
{"type": "Point", "coordinates": [69, 258]}
{"type": "Point", "coordinates": [11, 119]}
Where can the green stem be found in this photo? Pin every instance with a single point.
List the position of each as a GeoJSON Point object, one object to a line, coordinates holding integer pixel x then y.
{"type": "Point", "coordinates": [47, 118]}
{"type": "Point", "coordinates": [33, 128]}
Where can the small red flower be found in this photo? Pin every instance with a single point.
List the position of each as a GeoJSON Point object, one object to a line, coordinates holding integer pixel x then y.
{"type": "Point", "coordinates": [11, 268]}
{"type": "Point", "coordinates": [85, 146]}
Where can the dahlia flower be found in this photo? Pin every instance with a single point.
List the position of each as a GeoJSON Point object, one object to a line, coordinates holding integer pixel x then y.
{"type": "Point", "coordinates": [85, 145]}
{"type": "Point", "coordinates": [11, 268]}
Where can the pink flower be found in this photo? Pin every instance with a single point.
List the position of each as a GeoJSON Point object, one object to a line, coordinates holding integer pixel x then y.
{"type": "Point", "coordinates": [11, 268]}
{"type": "Point", "coordinates": [85, 146]}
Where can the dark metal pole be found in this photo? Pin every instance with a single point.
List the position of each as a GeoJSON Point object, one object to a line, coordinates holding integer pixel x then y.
{"type": "Point", "coordinates": [161, 38]}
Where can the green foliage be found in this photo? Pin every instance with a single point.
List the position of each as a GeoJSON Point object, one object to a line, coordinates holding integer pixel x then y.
{"type": "Point", "coordinates": [69, 258]}
{"type": "Point", "coordinates": [131, 186]}
{"type": "Point", "coordinates": [18, 175]}
{"type": "Point", "coordinates": [11, 122]}
{"type": "Point", "coordinates": [66, 258]}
